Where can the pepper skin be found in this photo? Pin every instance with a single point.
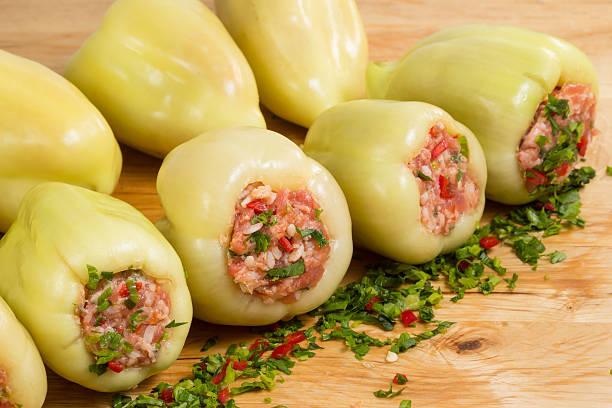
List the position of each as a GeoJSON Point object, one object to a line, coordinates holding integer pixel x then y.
{"type": "Point", "coordinates": [307, 56]}
{"type": "Point", "coordinates": [59, 230]}
{"type": "Point", "coordinates": [19, 358]}
{"type": "Point", "coordinates": [490, 78]}
{"type": "Point", "coordinates": [199, 183]}
{"type": "Point", "coordinates": [49, 131]}
{"type": "Point", "coordinates": [366, 145]}
{"type": "Point", "coordinates": [164, 71]}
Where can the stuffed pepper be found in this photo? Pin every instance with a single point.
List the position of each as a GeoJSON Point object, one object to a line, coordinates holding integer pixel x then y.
{"type": "Point", "coordinates": [23, 380]}
{"type": "Point", "coordinates": [49, 131]}
{"type": "Point", "coordinates": [163, 71]}
{"type": "Point", "coordinates": [99, 288]}
{"type": "Point", "coordinates": [413, 177]}
{"type": "Point", "coordinates": [529, 98]}
{"type": "Point", "coordinates": [306, 55]}
{"type": "Point", "coordinates": [263, 230]}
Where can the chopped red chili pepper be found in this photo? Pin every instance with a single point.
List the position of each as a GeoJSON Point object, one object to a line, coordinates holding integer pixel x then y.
{"type": "Point", "coordinates": [400, 379]}
{"type": "Point", "coordinates": [582, 146]}
{"type": "Point", "coordinates": [373, 300]}
{"type": "Point", "coordinates": [287, 246]}
{"type": "Point", "coordinates": [439, 149]}
{"type": "Point", "coordinates": [219, 377]}
{"type": "Point", "coordinates": [463, 265]}
{"type": "Point", "coordinates": [167, 395]}
{"type": "Point", "coordinates": [224, 395]}
{"type": "Point", "coordinates": [488, 242]}
{"type": "Point", "coordinates": [258, 206]}
{"type": "Point", "coordinates": [240, 365]}
{"type": "Point", "coordinates": [549, 207]}
{"type": "Point", "coordinates": [408, 317]}
{"type": "Point", "coordinates": [432, 131]}
{"type": "Point", "coordinates": [115, 366]}
{"type": "Point", "coordinates": [259, 344]}
{"type": "Point", "coordinates": [124, 292]}
{"type": "Point", "coordinates": [203, 366]}
{"type": "Point", "coordinates": [138, 285]}
{"type": "Point", "coordinates": [281, 351]}
{"type": "Point", "coordinates": [536, 177]}
{"type": "Point", "coordinates": [562, 170]}
{"type": "Point", "coordinates": [444, 192]}
{"type": "Point", "coordinates": [295, 338]}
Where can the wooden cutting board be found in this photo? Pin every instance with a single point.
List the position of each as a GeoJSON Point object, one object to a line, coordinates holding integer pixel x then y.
{"type": "Point", "coordinates": [547, 344]}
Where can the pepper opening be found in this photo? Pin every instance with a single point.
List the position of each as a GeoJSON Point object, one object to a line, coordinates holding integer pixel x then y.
{"type": "Point", "coordinates": [446, 186]}
{"type": "Point", "coordinates": [124, 319]}
{"type": "Point", "coordinates": [278, 245]}
{"type": "Point", "coordinates": [559, 134]}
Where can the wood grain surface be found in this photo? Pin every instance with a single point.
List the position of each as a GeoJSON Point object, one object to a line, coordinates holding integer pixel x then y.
{"type": "Point", "coordinates": [547, 344]}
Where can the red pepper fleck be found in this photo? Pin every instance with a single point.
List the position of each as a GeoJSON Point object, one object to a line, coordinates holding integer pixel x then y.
{"type": "Point", "coordinates": [224, 395]}
{"type": "Point", "coordinates": [400, 379]}
{"type": "Point", "coordinates": [259, 344]}
{"type": "Point", "coordinates": [240, 365]}
{"type": "Point", "coordinates": [562, 170]}
{"type": "Point", "coordinates": [281, 351]}
{"type": "Point", "coordinates": [439, 149]}
{"type": "Point", "coordinates": [373, 300]}
{"type": "Point", "coordinates": [167, 395]}
{"type": "Point", "coordinates": [488, 242]}
{"type": "Point", "coordinates": [549, 207]}
{"type": "Point", "coordinates": [408, 317]}
{"type": "Point", "coordinates": [219, 377]}
{"type": "Point", "coordinates": [463, 265]}
{"type": "Point", "coordinates": [432, 131]}
{"type": "Point", "coordinates": [286, 244]}
{"type": "Point", "coordinates": [295, 338]}
{"type": "Point", "coordinates": [582, 146]}
{"type": "Point", "coordinates": [115, 366]}
{"type": "Point", "coordinates": [444, 193]}
{"type": "Point", "coordinates": [138, 285]}
{"type": "Point", "coordinates": [536, 178]}
{"type": "Point", "coordinates": [124, 292]}
{"type": "Point", "coordinates": [258, 206]}
{"type": "Point", "coordinates": [203, 366]}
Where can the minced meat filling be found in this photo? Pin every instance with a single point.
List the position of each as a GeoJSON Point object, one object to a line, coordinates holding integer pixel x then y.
{"type": "Point", "coordinates": [561, 130]}
{"type": "Point", "coordinates": [124, 320]}
{"type": "Point", "coordinates": [279, 245]}
{"type": "Point", "coordinates": [446, 186]}
{"type": "Point", "coordinates": [4, 391]}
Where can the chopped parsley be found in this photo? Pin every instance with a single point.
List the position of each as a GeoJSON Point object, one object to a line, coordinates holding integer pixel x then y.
{"type": "Point", "coordinates": [135, 318]}
{"type": "Point", "coordinates": [210, 343]}
{"type": "Point", "coordinates": [423, 176]}
{"type": "Point", "coordinates": [541, 140]}
{"type": "Point", "coordinates": [261, 240]}
{"type": "Point", "coordinates": [174, 324]}
{"type": "Point", "coordinates": [318, 212]}
{"type": "Point", "coordinates": [388, 394]}
{"type": "Point", "coordinates": [465, 148]}
{"type": "Point", "coordinates": [109, 347]}
{"type": "Point", "coordinates": [609, 170]}
{"type": "Point", "coordinates": [294, 269]}
{"type": "Point", "coordinates": [103, 302]}
{"type": "Point", "coordinates": [266, 218]}
{"type": "Point", "coordinates": [405, 404]}
{"type": "Point", "coordinates": [94, 278]}
{"type": "Point", "coordinates": [134, 296]}
{"type": "Point", "coordinates": [315, 234]}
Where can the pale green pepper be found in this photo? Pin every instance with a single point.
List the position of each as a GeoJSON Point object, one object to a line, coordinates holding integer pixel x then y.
{"type": "Point", "coordinates": [44, 258]}
{"type": "Point", "coordinates": [163, 71]}
{"type": "Point", "coordinates": [49, 131]}
{"type": "Point", "coordinates": [23, 380]}
{"type": "Point", "coordinates": [367, 145]}
{"type": "Point", "coordinates": [492, 79]}
{"type": "Point", "coordinates": [199, 183]}
{"type": "Point", "coordinates": [306, 55]}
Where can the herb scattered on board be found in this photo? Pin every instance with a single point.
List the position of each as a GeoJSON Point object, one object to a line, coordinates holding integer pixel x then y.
{"type": "Point", "coordinates": [609, 170]}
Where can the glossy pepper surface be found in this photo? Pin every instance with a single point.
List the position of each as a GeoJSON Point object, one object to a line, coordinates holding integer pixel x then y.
{"type": "Point", "coordinates": [49, 131]}
{"type": "Point", "coordinates": [163, 71]}
{"type": "Point", "coordinates": [60, 230]}
{"type": "Point", "coordinates": [306, 55]}
{"type": "Point", "coordinates": [199, 183]}
{"type": "Point", "coordinates": [490, 78]}
{"type": "Point", "coordinates": [21, 362]}
{"type": "Point", "coordinates": [366, 145]}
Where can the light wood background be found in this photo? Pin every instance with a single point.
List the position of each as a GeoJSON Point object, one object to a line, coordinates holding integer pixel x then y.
{"type": "Point", "coordinates": [548, 344]}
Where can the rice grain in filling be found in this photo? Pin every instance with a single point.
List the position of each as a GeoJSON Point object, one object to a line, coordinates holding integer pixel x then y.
{"type": "Point", "coordinates": [140, 325]}
{"type": "Point", "coordinates": [277, 218]}
{"type": "Point", "coordinates": [4, 391]}
{"type": "Point", "coordinates": [446, 186]}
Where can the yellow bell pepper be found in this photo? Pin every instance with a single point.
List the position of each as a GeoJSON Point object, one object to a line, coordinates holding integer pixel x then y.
{"type": "Point", "coordinates": [49, 131]}
{"type": "Point", "coordinates": [20, 362]}
{"type": "Point", "coordinates": [60, 229]}
{"type": "Point", "coordinates": [367, 145]}
{"type": "Point", "coordinates": [199, 183]}
{"type": "Point", "coordinates": [163, 71]}
{"type": "Point", "coordinates": [306, 55]}
{"type": "Point", "coordinates": [492, 79]}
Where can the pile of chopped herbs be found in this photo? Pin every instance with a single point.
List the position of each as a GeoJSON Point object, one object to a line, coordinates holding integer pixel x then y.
{"type": "Point", "coordinates": [388, 293]}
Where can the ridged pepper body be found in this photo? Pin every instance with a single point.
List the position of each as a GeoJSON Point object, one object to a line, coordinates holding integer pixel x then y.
{"type": "Point", "coordinates": [199, 183]}
{"type": "Point", "coordinates": [163, 71]}
{"type": "Point", "coordinates": [367, 145]}
{"type": "Point", "coordinates": [60, 230]}
{"type": "Point", "coordinates": [492, 79]}
{"type": "Point", "coordinates": [49, 131]}
{"type": "Point", "coordinates": [306, 55]}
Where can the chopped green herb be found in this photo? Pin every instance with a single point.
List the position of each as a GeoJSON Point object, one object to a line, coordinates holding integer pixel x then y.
{"type": "Point", "coordinates": [174, 324]}
{"type": "Point", "coordinates": [405, 404]}
{"type": "Point", "coordinates": [94, 278]}
{"type": "Point", "coordinates": [134, 297]}
{"type": "Point", "coordinates": [541, 140]}
{"type": "Point", "coordinates": [267, 400]}
{"type": "Point", "coordinates": [107, 275]}
{"type": "Point", "coordinates": [135, 318]}
{"type": "Point", "coordinates": [266, 218]}
{"type": "Point", "coordinates": [211, 342]}
{"type": "Point", "coordinates": [557, 257]}
{"type": "Point", "coordinates": [609, 170]}
{"type": "Point", "coordinates": [389, 393]}
{"type": "Point", "coordinates": [103, 302]}
{"type": "Point", "coordinates": [423, 176]}
{"type": "Point", "coordinates": [459, 175]}
{"type": "Point", "coordinates": [315, 234]}
{"type": "Point", "coordinates": [294, 269]}
{"type": "Point", "coordinates": [465, 148]}
{"type": "Point", "coordinates": [318, 212]}
{"type": "Point", "coordinates": [261, 240]}
{"type": "Point", "coordinates": [512, 282]}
